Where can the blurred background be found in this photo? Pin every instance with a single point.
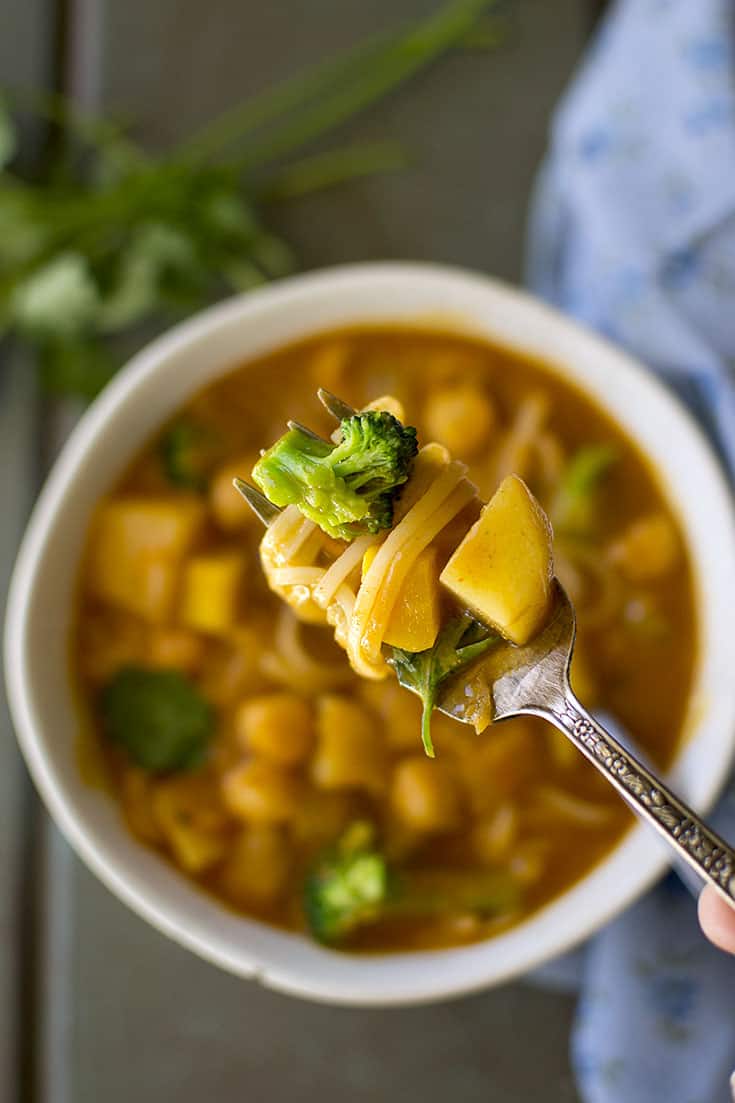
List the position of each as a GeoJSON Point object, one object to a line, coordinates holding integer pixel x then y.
{"type": "Point", "coordinates": [93, 1003]}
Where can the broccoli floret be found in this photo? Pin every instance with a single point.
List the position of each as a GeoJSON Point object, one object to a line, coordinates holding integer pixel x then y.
{"type": "Point", "coordinates": [158, 717]}
{"type": "Point", "coordinates": [348, 885]}
{"type": "Point", "coordinates": [352, 885]}
{"type": "Point", "coordinates": [188, 451]}
{"type": "Point", "coordinates": [349, 488]}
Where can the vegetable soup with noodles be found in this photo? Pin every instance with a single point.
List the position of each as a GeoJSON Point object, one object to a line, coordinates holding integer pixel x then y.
{"type": "Point", "coordinates": [244, 749]}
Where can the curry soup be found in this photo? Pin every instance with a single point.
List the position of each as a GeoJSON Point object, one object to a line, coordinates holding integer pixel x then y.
{"type": "Point", "coordinates": [283, 746]}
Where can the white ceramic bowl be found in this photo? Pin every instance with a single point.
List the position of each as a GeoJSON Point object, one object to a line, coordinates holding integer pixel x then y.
{"type": "Point", "coordinates": [148, 390]}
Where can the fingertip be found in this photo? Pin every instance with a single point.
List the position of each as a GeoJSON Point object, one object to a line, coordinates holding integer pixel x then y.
{"type": "Point", "coordinates": [717, 919]}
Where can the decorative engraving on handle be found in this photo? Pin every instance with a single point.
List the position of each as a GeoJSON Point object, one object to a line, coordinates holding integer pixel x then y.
{"type": "Point", "coordinates": [674, 819]}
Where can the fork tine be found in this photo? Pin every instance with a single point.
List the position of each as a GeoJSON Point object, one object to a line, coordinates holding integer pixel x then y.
{"type": "Point", "coordinates": [264, 510]}
{"type": "Point", "coordinates": [305, 429]}
{"type": "Point", "coordinates": [335, 406]}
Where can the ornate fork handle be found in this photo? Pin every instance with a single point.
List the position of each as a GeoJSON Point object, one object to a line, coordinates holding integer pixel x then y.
{"type": "Point", "coordinates": [647, 795]}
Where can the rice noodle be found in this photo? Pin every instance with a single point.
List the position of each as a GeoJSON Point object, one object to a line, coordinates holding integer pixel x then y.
{"type": "Point", "coordinates": [572, 808]}
{"type": "Point", "coordinates": [550, 453]}
{"type": "Point", "coordinates": [342, 568]}
{"type": "Point", "coordinates": [515, 452]}
{"type": "Point", "coordinates": [291, 664]}
{"type": "Point", "coordinates": [600, 599]}
{"type": "Point", "coordinates": [431, 461]}
{"type": "Point", "coordinates": [407, 532]}
{"type": "Point", "coordinates": [373, 628]}
{"type": "Point", "coordinates": [296, 544]}
{"type": "Point", "coordinates": [296, 576]}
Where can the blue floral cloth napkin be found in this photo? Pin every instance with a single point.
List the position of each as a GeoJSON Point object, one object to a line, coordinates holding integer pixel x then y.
{"type": "Point", "coordinates": [633, 232]}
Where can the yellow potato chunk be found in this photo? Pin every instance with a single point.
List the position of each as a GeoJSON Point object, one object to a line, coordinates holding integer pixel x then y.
{"type": "Point", "coordinates": [211, 592]}
{"type": "Point", "coordinates": [648, 549]}
{"type": "Point", "coordinates": [460, 417]}
{"type": "Point", "coordinates": [503, 569]}
{"type": "Point", "coordinates": [278, 726]}
{"type": "Point", "coordinates": [136, 549]}
{"type": "Point", "coordinates": [425, 794]}
{"type": "Point", "coordinates": [257, 868]}
{"type": "Point", "coordinates": [414, 622]}
{"type": "Point", "coordinates": [191, 821]}
{"type": "Point", "coordinates": [228, 507]}
{"type": "Point", "coordinates": [350, 753]}
{"type": "Point", "coordinates": [261, 792]}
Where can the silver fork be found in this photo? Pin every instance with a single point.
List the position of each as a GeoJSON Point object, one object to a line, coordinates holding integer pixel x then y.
{"type": "Point", "coordinates": [534, 681]}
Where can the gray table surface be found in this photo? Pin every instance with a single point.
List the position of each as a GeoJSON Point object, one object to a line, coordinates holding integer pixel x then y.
{"type": "Point", "coordinates": [93, 1003]}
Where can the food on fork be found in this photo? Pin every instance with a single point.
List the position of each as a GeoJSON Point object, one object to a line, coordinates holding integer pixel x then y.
{"type": "Point", "coordinates": [384, 542]}
{"type": "Point", "coordinates": [238, 742]}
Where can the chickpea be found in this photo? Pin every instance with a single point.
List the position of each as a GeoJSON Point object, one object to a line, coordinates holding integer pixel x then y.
{"type": "Point", "coordinates": [277, 726]}
{"type": "Point", "coordinates": [257, 868]}
{"type": "Point", "coordinates": [175, 648]}
{"type": "Point", "coordinates": [647, 549]}
{"type": "Point", "coordinates": [261, 792]}
{"type": "Point", "coordinates": [399, 711]}
{"type": "Point", "coordinates": [425, 795]}
{"type": "Point", "coordinates": [350, 753]}
{"type": "Point", "coordinates": [228, 508]}
{"type": "Point", "coordinates": [461, 417]}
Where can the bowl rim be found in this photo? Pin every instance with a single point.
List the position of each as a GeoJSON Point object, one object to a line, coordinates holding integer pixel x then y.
{"type": "Point", "coordinates": [338, 984]}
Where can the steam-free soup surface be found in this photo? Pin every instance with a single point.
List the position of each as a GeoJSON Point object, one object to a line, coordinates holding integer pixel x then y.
{"type": "Point", "coordinates": [296, 746]}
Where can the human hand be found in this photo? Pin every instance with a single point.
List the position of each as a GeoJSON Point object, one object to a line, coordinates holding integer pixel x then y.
{"type": "Point", "coordinates": [717, 919]}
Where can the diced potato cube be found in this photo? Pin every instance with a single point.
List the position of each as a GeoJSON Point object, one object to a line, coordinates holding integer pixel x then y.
{"type": "Point", "coordinates": [414, 622]}
{"type": "Point", "coordinates": [503, 569]}
{"type": "Point", "coordinates": [461, 417]}
{"type": "Point", "coordinates": [425, 794]}
{"type": "Point", "coordinates": [350, 753]}
{"type": "Point", "coordinates": [261, 792]}
{"type": "Point", "coordinates": [648, 548]}
{"type": "Point", "coordinates": [135, 551]}
{"type": "Point", "coordinates": [229, 509]}
{"type": "Point", "coordinates": [278, 726]}
{"type": "Point", "coordinates": [211, 592]}
{"type": "Point", "coordinates": [256, 870]}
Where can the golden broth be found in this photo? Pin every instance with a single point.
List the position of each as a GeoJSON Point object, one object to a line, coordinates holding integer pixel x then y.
{"type": "Point", "coordinates": [527, 802]}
